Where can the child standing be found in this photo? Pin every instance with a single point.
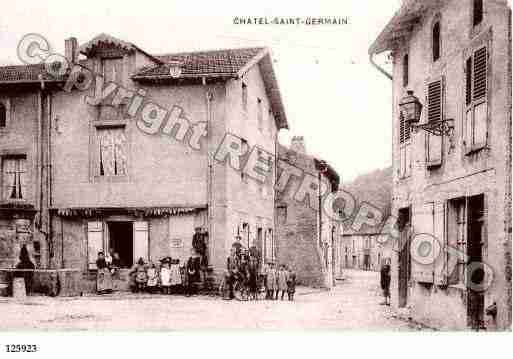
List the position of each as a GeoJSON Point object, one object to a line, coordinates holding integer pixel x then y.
{"type": "Point", "coordinates": [291, 284]}
{"type": "Point", "coordinates": [153, 278]}
{"type": "Point", "coordinates": [139, 275]}
{"type": "Point", "coordinates": [282, 282]}
{"type": "Point", "coordinates": [165, 277]}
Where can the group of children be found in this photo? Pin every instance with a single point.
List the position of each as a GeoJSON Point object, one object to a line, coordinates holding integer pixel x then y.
{"type": "Point", "coordinates": [279, 280]}
{"type": "Point", "coordinates": [165, 278]}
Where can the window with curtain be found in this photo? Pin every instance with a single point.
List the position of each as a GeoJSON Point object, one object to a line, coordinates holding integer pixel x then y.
{"type": "Point", "coordinates": [113, 151]}
{"type": "Point", "coordinates": [14, 178]}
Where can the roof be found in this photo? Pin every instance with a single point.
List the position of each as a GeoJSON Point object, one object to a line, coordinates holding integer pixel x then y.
{"type": "Point", "coordinates": [223, 64]}
{"type": "Point", "coordinates": [24, 73]}
{"type": "Point", "coordinates": [228, 61]}
{"type": "Point", "coordinates": [402, 24]}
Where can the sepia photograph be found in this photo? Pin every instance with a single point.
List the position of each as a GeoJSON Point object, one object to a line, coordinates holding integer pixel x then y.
{"type": "Point", "coordinates": [333, 167]}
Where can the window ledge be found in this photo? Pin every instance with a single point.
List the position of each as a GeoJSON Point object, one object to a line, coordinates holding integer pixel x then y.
{"type": "Point", "coordinates": [110, 179]}
{"type": "Point", "coordinates": [459, 286]}
{"type": "Point", "coordinates": [475, 150]}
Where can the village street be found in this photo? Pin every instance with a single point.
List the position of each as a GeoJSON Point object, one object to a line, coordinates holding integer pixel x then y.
{"type": "Point", "coordinates": [353, 304]}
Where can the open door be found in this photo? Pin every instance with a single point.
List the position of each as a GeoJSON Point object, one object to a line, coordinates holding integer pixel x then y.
{"type": "Point", "coordinates": [141, 241]}
{"type": "Point", "coordinates": [476, 239]}
{"type": "Point", "coordinates": [404, 269]}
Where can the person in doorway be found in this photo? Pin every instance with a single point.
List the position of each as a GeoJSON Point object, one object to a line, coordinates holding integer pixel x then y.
{"type": "Point", "coordinates": [153, 278]}
{"type": "Point", "coordinates": [200, 245]}
{"type": "Point", "coordinates": [193, 273]}
{"type": "Point", "coordinates": [282, 282]}
{"type": "Point", "coordinates": [27, 267]}
{"type": "Point", "coordinates": [385, 279]}
{"type": "Point", "coordinates": [165, 277]}
{"type": "Point", "coordinates": [103, 277]}
{"type": "Point", "coordinates": [270, 280]}
{"type": "Point", "coordinates": [291, 283]}
{"type": "Point", "coordinates": [139, 274]}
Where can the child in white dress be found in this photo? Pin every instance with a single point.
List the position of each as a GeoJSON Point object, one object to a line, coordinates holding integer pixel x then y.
{"type": "Point", "coordinates": [165, 277]}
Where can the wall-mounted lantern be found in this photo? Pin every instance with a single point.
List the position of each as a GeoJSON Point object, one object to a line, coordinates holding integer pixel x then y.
{"type": "Point", "coordinates": [411, 111]}
{"type": "Point", "coordinates": [411, 108]}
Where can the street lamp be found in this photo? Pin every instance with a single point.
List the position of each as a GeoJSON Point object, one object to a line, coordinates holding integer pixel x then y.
{"type": "Point", "coordinates": [411, 110]}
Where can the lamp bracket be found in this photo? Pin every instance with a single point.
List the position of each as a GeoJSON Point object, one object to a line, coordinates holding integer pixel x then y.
{"type": "Point", "coordinates": [437, 128]}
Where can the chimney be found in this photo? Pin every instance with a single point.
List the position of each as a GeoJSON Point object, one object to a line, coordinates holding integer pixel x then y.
{"type": "Point", "coordinates": [71, 49]}
{"type": "Point", "coordinates": [298, 144]}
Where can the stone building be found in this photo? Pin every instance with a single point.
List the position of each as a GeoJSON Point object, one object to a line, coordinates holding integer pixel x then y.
{"type": "Point", "coordinates": [306, 237]}
{"type": "Point", "coordinates": [132, 151]}
{"type": "Point", "coordinates": [364, 250]}
{"type": "Point", "coordinates": [452, 168]}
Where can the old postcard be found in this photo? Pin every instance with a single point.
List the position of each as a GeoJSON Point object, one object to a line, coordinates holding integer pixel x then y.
{"type": "Point", "coordinates": [173, 166]}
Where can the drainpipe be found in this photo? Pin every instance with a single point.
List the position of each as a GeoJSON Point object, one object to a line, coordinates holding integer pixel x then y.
{"type": "Point", "coordinates": [379, 68]}
{"type": "Point", "coordinates": [210, 210]}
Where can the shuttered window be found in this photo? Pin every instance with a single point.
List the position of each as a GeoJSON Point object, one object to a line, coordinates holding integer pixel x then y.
{"type": "Point", "coordinates": [141, 241]}
{"type": "Point", "coordinates": [435, 112]}
{"type": "Point", "coordinates": [404, 148]}
{"type": "Point", "coordinates": [476, 93]}
{"type": "Point", "coordinates": [94, 242]}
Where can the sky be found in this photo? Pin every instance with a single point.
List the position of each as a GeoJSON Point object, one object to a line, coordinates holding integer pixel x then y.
{"type": "Point", "coordinates": [332, 94]}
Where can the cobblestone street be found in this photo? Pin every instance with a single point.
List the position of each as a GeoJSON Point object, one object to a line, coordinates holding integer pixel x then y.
{"type": "Point", "coordinates": [353, 304]}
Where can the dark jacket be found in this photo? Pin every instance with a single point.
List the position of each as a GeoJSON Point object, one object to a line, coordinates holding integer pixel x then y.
{"type": "Point", "coordinates": [385, 276]}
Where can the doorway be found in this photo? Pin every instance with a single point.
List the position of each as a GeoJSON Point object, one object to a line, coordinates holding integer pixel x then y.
{"type": "Point", "coordinates": [121, 241]}
{"type": "Point", "coordinates": [404, 270]}
{"type": "Point", "coordinates": [476, 220]}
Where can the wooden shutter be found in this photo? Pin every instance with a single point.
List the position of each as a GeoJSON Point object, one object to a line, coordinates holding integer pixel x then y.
{"type": "Point", "coordinates": [440, 254]}
{"type": "Point", "coordinates": [435, 101]}
{"type": "Point", "coordinates": [141, 241]}
{"type": "Point", "coordinates": [476, 100]}
{"type": "Point", "coordinates": [94, 242]}
{"type": "Point", "coordinates": [423, 228]}
{"type": "Point", "coordinates": [479, 97]}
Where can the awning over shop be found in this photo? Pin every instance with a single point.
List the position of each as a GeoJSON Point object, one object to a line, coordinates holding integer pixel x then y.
{"type": "Point", "coordinates": [136, 211]}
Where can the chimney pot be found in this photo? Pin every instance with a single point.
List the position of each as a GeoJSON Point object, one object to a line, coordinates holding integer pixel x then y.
{"type": "Point", "coordinates": [71, 49]}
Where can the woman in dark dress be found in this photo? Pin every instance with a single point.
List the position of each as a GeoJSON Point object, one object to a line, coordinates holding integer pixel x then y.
{"type": "Point", "coordinates": [385, 282]}
{"type": "Point", "coordinates": [253, 277]}
{"type": "Point", "coordinates": [26, 264]}
{"type": "Point", "coordinates": [103, 276]}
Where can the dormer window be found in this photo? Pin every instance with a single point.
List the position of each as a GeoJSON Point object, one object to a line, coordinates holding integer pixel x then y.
{"type": "Point", "coordinates": [436, 41]}
{"type": "Point", "coordinates": [477, 12]}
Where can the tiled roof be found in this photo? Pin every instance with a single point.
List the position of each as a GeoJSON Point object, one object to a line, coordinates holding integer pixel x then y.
{"type": "Point", "coordinates": [215, 62]}
{"type": "Point", "coordinates": [23, 73]}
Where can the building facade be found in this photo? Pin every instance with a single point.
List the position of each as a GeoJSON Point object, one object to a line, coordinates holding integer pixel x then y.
{"type": "Point", "coordinates": [307, 238]}
{"type": "Point", "coordinates": [365, 251]}
{"type": "Point", "coordinates": [452, 170]}
{"type": "Point", "coordinates": [132, 152]}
